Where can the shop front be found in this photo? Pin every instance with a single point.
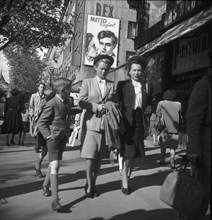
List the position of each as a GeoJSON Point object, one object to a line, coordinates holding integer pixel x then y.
{"type": "Point", "coordinates": [185, 50]}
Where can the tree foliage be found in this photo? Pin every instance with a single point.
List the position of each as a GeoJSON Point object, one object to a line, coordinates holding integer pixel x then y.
{"type": "Point", "coordinates": [33, 23]}
{"type": "Point", "coordinates": [25, 68]}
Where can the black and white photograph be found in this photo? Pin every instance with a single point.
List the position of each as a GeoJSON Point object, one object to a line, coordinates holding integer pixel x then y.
{"type": "Point", "coordinates": [105, 109]}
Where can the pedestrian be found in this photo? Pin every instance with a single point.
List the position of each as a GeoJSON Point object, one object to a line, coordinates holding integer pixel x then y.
{"type": "Point", "coordinates": [183, 98]}
{"type": "Point", "coordinates": [199, 131]}
{"type": "Point", "coordinates": [134, 101]}
{"type": "Point", "coordinates": [12, 117]}
{"type": "Point", "coordinates": [37, 102]}
{"type": "Point", "coordinates": [94, 94]}
{"type": "Point", "coordinates": [54, 125]}
{"type": "Point", "coordinates": [25, 124]}
{"type": "Point", "coordinates": [152, 131]}
{"type": "Point", "coordinates": [168, 112]}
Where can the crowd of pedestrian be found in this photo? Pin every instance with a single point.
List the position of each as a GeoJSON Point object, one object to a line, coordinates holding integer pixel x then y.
{"type": "Point", "coordinates": [112, 118]}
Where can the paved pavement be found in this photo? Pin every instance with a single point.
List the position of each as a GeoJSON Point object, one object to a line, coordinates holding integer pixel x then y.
{"type": "Point", "coordinates": [21, 192]}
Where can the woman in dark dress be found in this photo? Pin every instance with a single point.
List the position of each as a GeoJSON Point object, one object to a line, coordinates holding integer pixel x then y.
{"type": "Point", "coordinates": [133, 99]}
{"type": "Point", "coordinates": [12, 121]}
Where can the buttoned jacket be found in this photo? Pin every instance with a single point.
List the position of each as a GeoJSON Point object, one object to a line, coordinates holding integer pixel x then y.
{"type": "Point", "coordinates": [126, 95]}
{"type": "Point", "coordinates": [54, 119]}
{"type": "Point", "coordinates": [89, 99]}
{"type": "Point", "coordinates": [36, 104]}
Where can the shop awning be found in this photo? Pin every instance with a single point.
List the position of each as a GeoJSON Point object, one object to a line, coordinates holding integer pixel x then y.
{"type": "Point", "coordinates": [177, 31]}
{"type": "Point", "coordinates": [181, 29]}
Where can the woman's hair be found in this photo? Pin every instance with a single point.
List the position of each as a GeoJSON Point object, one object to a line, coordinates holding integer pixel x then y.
{"type": "Point", "coordinates": [15, 92]}
{"type": "Point", "coordinates": [60, 84]}
{"type": "Point", "coordinates": [107, 61]}
{"type": "Point", "coordinates": [170, 95]}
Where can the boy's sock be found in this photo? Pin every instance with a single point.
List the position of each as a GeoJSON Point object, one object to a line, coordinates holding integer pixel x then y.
{"type": "Point", "coordinates": [54, 186]}
{"type": "Point", "coordinates": [46, 182]}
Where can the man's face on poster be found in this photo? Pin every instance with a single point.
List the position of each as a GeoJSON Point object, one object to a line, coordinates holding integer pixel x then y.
{"type": "Point", "coordinates": [106, 46]}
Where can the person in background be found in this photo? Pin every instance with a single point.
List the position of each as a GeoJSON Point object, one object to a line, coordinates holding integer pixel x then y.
{"type": "Point", "coordinates": [94, 94]}
{"type": "Point", "coordinates": [183, 137]}
{"type": "Point", "coordinates": [152, 131]}
{"type": "Point", "coordinates": [54, 125]}
{"type": "Point", "coordinates": [36, 104]}
{"type": "Point", "coordinates": [25, 124]}
{"type": "Point", "coordinates": [133, 100]}
{"type": "Point", "coordinates": [12, 117]}
{"type": "Point", "coordinates": [167, 113]}
{"type": "Point", "coordinates": [199, 130]}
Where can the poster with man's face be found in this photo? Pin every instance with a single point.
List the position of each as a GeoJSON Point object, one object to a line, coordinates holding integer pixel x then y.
{"type": "Point", "coordinates": [102, 37]}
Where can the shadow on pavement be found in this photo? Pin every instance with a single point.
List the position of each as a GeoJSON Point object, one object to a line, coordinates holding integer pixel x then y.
{"type": "Point", "coordinates": [37, 185]}
{"type": "Point", "coordinates": [158, 214]}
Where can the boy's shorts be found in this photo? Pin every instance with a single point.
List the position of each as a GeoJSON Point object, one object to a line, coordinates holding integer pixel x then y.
{"type": "Point", "coordinates": [56, 148]}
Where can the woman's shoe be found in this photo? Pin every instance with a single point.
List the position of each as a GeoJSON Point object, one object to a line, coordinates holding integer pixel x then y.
{"type": "Point", "coordinates": [126, 191]}
{"type": "Point", "coordinates": [95, 193]}
{"type": "Point", "coordinates": [38, 172]}
{"type": "Point", "coordinates": [88, 194]}
{"type": "Point", "coordinates": [56, 206]}
{"type": "Point", "coordinates": [46, 191]}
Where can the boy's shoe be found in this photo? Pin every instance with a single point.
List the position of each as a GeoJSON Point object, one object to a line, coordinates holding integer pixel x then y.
{"type": "Point", "coordinates": [56, 205]}
{"type": "Point", "coordinates": [46, 191]}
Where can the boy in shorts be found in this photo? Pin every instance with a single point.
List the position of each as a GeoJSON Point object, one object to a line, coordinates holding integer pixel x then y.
{"type": "Point", "coordinates": [55, 127]}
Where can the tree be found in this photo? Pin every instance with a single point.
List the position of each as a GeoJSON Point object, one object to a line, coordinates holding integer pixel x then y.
{"type": "Point", "coordinates": [25, 68]}
{"type": "Point", "coordinates": [33, 23]}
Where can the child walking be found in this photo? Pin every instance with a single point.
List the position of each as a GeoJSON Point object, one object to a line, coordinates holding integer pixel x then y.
{"type": "Point", "coordinates": [55, 127]}
{"type": "Point", "coordinates": [25, 124]}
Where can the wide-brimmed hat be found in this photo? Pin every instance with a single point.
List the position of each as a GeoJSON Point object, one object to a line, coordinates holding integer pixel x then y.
{"type": "Point", "coordinates": [103, 56]}
{"type": "Point", "coordinates": [139, 59]}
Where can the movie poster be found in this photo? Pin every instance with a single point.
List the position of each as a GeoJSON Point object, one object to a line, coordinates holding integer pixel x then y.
{"type": "Point", "coordinates": [102, 37]}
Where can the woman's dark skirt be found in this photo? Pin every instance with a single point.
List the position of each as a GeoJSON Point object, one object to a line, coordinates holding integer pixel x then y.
{"type": "Point", "coordinates": [133, 140]}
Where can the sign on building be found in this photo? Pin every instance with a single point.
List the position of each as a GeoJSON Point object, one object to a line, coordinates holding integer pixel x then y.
{"type": "Point", "coordinates": [78, 32]}
{"type": "Point", "coordinates": [191, 53]}
{"type": "Point", "coordinates": [102, 37]}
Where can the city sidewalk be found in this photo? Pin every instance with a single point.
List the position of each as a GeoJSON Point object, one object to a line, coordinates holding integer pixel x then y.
{"type": "Point", "coordinates": [22, 198]}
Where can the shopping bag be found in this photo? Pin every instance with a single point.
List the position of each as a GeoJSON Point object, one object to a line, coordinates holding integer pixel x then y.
{"type": "Point", "coordinates": [72, 138]}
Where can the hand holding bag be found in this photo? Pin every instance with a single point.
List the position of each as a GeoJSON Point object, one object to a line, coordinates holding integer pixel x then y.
{"type": "Point", "coordinates": [184, 193]}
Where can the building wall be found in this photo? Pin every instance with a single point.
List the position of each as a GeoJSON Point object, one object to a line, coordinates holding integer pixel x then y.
{"type": "Point", "coordinates": [106, 8]}
{"type": "Point", "coordinates": [114, 9]}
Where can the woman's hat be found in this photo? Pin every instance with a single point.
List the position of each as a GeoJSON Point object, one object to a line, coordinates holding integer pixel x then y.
{"type": "Point", "coordinates": [138, 59]}
{"type": "Point", "coordinates": [103, 56]}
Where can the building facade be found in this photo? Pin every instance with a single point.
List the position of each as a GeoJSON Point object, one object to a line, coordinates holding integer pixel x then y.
{"type": "Point", "coordinates": [177, 46]}
{"type": "Point", "coordinates": [89, 18]}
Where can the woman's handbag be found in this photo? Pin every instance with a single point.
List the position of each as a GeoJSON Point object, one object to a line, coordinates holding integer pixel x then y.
{"type": "Point", "coordinates": [184, 193]}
